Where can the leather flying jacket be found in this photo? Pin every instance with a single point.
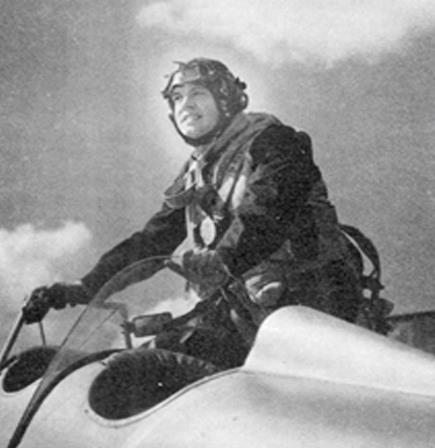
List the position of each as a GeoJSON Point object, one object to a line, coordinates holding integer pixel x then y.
{"type": "Point", "coordinates": [261, 193]}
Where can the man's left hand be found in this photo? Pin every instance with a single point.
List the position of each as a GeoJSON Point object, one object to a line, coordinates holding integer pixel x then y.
{"type": "Point", "coordinates": [205, 268]}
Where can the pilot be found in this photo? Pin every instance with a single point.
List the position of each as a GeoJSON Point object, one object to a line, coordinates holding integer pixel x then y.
{"type": "Point", "coordinates": [247, 221]}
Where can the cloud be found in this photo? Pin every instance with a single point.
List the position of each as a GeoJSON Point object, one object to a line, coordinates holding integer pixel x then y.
{"type": "Point", "coordinates": [303, 30]}
{"type": "Point", "coordinates": [31, 257]}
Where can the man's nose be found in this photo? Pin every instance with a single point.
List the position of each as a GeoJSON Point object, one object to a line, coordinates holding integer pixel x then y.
{"type": "Point", "coordinates": [188, 102]}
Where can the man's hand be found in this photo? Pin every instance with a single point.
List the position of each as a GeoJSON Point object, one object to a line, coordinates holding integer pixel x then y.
{"type": "Point", "coordinates": [56, 296]}
{"type": "Point", "coordinates": [205, 268]}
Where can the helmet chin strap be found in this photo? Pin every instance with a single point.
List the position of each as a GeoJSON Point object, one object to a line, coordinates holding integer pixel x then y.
{"type": "Point", "coordinates": [206, 138]}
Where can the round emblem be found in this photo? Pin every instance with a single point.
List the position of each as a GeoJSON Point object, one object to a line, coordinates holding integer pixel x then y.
{"type": "Point", "coordinates": [207, 230]}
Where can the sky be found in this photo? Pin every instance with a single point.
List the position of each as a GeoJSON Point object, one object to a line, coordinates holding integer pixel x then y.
{"type": "Point", "coordinates": [87, 148]}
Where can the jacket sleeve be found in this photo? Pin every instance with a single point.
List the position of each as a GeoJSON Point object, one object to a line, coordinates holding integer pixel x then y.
{"type": "Point", "coordinates": [160, 236]}
{"type": "Point", "coordinates": [282, 173]}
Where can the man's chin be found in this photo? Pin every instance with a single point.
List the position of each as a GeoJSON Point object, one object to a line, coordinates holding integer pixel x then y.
{"type": "Point", "coordinates": [193, 133]}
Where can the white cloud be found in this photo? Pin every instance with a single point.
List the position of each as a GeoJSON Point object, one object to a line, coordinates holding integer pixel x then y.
{"type": "Point", "coordinates": [280, 30]}
{"type": "Point", "coordinates": [31, 257]}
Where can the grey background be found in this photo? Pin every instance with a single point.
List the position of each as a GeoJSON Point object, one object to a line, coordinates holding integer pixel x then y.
{"type": "Point", "coordinates": [86, 147]}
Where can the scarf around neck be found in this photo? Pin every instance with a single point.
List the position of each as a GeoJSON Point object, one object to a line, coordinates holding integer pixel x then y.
{"type": "Point", "coordinates": [224, 148]}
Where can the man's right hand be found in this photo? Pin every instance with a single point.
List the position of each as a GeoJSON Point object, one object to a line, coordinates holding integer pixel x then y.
{"type": "Point", "coordinates": [56, 296]}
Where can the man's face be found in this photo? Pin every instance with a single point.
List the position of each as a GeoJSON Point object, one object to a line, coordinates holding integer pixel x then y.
{"type": "Point", "coordinates": [195, 110]}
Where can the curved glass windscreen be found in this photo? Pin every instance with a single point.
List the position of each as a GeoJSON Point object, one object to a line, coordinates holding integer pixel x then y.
{"type": "Point", "coordinates": [100, 327]}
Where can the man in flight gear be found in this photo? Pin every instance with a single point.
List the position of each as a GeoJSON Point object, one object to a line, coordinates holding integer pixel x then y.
{"type": "Point", "coordinates": [248, 216]}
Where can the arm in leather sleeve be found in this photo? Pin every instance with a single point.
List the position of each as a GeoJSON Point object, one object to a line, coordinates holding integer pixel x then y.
{"type": "Point", "coordinates": [161, 235]}
{"type": "Point", "coordinates": [282, 175]}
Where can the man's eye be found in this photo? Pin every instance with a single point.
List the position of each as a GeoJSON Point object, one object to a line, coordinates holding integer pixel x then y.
{"type": "Point", "coordinates": [176, 98]}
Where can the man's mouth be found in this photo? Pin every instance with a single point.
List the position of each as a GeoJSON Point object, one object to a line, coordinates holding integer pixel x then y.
{"type": "Point", "coordinates": [190, 117]}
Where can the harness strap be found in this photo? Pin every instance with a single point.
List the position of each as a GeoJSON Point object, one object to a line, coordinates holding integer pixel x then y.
{"type": "Point", "coordinates": [372, 281]}
{"type": "Point", "coordinates": [375, 309]}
